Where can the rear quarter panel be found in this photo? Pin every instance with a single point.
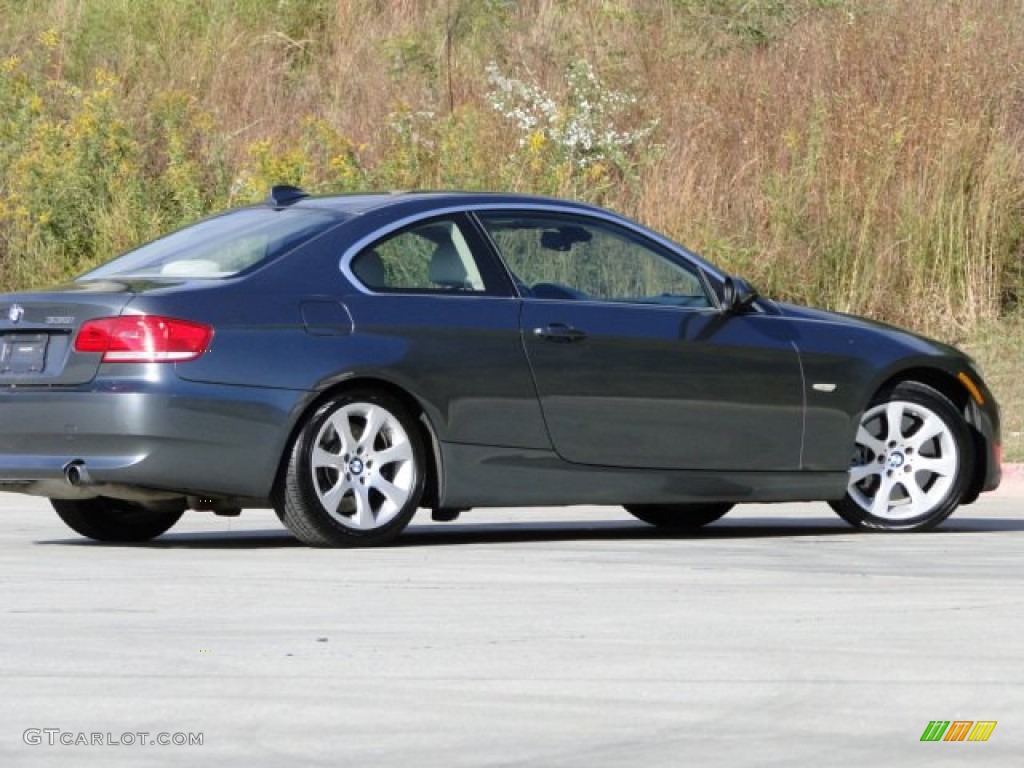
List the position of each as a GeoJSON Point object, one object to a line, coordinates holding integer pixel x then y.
{"type": "Point", "coordinates": [299, 325]}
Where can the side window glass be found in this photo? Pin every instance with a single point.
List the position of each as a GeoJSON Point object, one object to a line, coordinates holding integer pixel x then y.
{"type": "Point", "coordinates": [571, 257]}
{"type": "Point", "coordinates": [432, 256]}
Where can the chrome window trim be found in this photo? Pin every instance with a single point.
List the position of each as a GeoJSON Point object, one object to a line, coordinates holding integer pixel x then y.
{"type": "Point", "coordinates": [345, 262]}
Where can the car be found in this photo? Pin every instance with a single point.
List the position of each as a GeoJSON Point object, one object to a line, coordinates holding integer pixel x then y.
{"type": "Point", "coordinates": [348, 360]}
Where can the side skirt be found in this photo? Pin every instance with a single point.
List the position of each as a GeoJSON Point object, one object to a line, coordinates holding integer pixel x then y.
{"type": "Point", "coordinates": [487, 476]}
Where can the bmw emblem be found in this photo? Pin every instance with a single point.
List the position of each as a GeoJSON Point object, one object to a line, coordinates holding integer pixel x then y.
{"type": "Point", "coordinates": [15, 313]}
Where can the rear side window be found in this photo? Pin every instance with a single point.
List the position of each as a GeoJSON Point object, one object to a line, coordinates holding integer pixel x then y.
{"type": "Point", "coordinates": [220, 247]}
{"type": "Point", "coordinates": [434, 256]}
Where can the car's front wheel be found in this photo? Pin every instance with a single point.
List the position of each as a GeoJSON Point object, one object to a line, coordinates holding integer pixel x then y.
{"type": "Point", "coordinates": [678, 517]}
{"type": "Point", "coordinates": [355, 475]}
{"type": "Point", "coordinates": [114, 520]}
{"type": "Point", "coordinates": [912, 462]}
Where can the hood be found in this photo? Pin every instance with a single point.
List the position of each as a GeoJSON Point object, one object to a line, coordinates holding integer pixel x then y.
{"type": "Point", "coordinates": [913, 340]}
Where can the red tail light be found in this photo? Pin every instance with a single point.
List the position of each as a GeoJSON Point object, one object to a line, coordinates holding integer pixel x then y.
{"type": "Point", "coordinates": [143, 339]}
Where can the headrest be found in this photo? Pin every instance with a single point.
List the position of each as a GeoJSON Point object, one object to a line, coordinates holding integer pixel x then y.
{"type": "Point", "coordinates": [446, 268]}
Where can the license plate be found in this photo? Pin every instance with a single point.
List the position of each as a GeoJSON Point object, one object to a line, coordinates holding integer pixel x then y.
{"type": "Point", "coordinates": [23, 352]}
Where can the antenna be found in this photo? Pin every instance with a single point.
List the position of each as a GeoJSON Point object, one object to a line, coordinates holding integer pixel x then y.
{"type": "Point", "coordinates": [282, 195]}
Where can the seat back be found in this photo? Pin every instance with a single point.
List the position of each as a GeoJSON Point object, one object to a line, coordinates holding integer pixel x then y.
{"type": "Point", "coordinates": [446, 268]}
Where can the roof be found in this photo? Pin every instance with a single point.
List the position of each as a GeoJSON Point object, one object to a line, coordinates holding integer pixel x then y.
{"type": "Point", "coordinates": [361, 203]}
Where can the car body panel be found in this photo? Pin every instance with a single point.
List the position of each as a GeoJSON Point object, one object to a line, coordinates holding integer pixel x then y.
{"type": "Point", "coordinates": [53, 317]}
{"type": "Point", "coordinates": [479, 476]}
{"type": "Point", "coordinates": [847, 359]}
{"type": "Point", "coordinates": [461, 357]}
{"type": "Point", "coordinates": [147, 428]}
{"type": "Point", "coordinates": [667, 387]}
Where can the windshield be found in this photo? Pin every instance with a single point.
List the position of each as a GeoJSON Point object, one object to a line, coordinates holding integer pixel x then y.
{"type": "Point", "coordinates": [220, 247]}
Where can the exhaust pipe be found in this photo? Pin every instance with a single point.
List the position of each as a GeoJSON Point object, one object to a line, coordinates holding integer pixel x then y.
{"type": "Point", "coordinates": [76, 474]}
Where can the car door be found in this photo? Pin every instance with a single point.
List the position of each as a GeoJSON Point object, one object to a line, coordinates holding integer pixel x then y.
{"type": "Point", "coordinates": [435, 313]}
{"type": "Point", "coordinates": [634, 364]}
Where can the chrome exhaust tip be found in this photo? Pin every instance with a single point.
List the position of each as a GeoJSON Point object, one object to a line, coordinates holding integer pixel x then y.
{"type": "Point", "coordinates": [76, 474]}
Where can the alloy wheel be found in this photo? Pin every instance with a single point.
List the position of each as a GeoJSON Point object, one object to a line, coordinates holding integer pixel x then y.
{"type": "Point", "coordinates": [362, 466]}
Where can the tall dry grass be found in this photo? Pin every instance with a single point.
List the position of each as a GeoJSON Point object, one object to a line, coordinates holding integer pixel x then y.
{"type": "Point", "coordinates": [864, 155]}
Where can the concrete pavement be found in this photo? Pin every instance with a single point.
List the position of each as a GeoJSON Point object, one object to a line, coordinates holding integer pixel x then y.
{"type": "Point", "coordinates": [1013, 481]}
{"type": "Point", "coordinates": [569, 637]}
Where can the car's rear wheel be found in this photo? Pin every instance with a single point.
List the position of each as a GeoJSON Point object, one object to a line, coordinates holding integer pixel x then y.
{"type": "Point", "coordinates": [114, 520]}
{"type": "Point", "coordinates": [912, 462]}
{"type": "Point", "coordinates": [355, 475]}
{"type": "Point", "coordinates": [679, 517]}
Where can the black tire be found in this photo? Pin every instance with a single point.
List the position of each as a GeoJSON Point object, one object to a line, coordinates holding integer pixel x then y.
{"type": "Point", "coordinates": [114, 520]}
{"type": "Point", "coordinates": [679, 517]}
{"type": "Point", "coordinates": [886, 491]}
{"type": "Point", "coordinates": [354, 474]}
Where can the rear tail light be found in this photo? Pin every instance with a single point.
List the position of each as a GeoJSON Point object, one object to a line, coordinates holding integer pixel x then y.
{"type": "Point", "coordinates": [143, 339]}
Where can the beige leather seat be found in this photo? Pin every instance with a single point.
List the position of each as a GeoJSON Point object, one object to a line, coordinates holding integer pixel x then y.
{"type": "Point", "coordinates": [447, 270]}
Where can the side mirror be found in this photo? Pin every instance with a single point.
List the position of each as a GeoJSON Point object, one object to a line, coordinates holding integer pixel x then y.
{"type": "Point", "coordinates": [737, 295]}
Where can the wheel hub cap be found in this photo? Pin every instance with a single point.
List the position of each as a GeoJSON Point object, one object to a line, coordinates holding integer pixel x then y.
{"type": "Point", "coordinates": [356, 466]}
{"type": "Point", "coordinates": [896, 460]}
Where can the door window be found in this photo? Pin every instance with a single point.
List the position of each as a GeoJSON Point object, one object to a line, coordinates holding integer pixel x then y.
{"type": "Point", "coordinates": [554, 256]}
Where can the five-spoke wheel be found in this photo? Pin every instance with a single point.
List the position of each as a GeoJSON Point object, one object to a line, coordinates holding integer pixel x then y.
{"type": "Point", "coordinates": [912, 462]}
{"type": "Point", "coordinates": [356, 472]}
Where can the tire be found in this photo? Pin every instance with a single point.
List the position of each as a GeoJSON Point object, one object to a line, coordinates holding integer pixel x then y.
{"type": "Point", "coordinates": [913, 462]}
{"type": "Point", "coordinates": [679, 517]}
{"type": "Point", "coordinates": [114, 520]}
{"type": "Point", "coordinates": [355, 473]}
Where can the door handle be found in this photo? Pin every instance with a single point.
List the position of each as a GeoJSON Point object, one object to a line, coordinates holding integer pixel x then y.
{"type": "Point", "coordinates": [559, 332]}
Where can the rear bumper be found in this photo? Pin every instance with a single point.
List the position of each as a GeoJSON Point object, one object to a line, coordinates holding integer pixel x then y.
{"type": "Point", "coordinates": [155, 431]}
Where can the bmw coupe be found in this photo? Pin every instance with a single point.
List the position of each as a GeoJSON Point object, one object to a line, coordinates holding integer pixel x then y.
{"type": "Point", "coordinates": [348, 360]}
